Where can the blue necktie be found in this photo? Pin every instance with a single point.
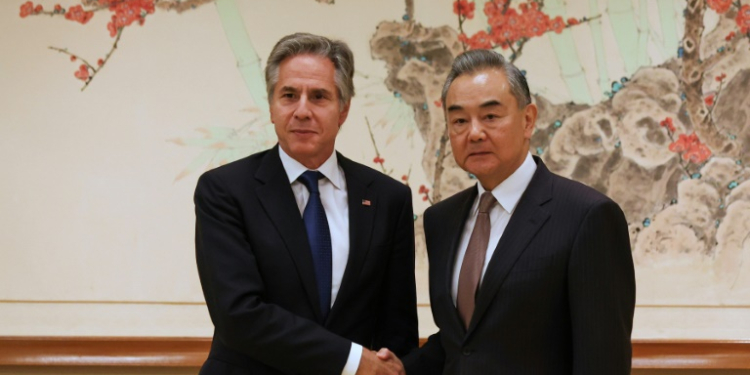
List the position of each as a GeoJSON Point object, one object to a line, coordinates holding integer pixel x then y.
{"type": "Point", "coordinates": [319, 237]}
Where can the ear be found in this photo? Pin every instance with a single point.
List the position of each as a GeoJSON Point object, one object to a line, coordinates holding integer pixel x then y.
{"type": "Point", "coordinates": [344, 112]}
{"type": "Point", "coordinates": [529, 120]}
{"type": "Point", "coordinates": [271, 111]}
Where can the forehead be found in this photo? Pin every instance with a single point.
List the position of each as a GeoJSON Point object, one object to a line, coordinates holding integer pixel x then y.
{"type": "Point", "coordinates": [307, 70]}
{"type": "Point", "coordinates": [481, 86]}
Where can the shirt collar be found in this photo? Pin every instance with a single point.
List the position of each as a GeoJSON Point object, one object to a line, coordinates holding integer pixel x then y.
{"type": "Point", "coordinates": [329, 169]}
{"type": "Point", "coordinates": [509, 192]}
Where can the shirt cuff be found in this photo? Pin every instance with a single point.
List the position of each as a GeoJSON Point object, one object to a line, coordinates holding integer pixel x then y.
{"type": "Point", "coordinates": [352, 363]}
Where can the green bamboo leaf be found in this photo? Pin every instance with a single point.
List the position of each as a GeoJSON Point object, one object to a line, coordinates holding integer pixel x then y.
{"type": "Point", "coordinates": [248, 61]}
{"type": "Point", "coordinates": [567, 56]}
{"type": "Point", "coordinates": [622, 19]}
{"type": "Point", "coordinates": [601, 60]}
{"type": "Point", "coordinates": [643, 35]}
{"type": "Point", "coordinates": [196, 164]}
{"type": "Point", "coordinates": [668, 19]}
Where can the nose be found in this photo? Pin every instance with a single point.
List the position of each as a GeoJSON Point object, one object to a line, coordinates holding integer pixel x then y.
{"type": "Point", "coordinates": [476, 131]}
{"type": "Point", "coordinates": [302, 112]}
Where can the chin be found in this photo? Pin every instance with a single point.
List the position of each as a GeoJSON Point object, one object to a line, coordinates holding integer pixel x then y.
{"type": "Point", "coordinates": [478, 169]}
{"type": "Point", "coordinates": [302, 149]}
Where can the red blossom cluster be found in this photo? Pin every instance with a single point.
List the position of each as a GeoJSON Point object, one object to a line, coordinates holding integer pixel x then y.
{"type": "Point", "coordinates": [743, 16]}
{"type": "Point", "coordinates": [720, 6]}
{"type": "Point", "coordinates": [709, 100]}
{"type": "Point", "coordinates": [378, 160]}
{"type": "Point", "coordinates": [77, 14]}
{"type": "Point", "coordinates": [127, 12]}
{"type": "Point", "coordinates": [730, 36]}
{"type": "Point", "coordinates": [721, 77]}
{"type": "Point", "coordinates": [464, 8]}
{"type": "Point", "coordinates": [82, 73]}
{"type": "Point", "coordinates": [509, 25]}
{"type": "Point", "coordinates": [743, 19]}
{"type": "Point", "coordinates": [424, 191]}
{"type": "Point", "coordinates": [405, 179]}
{"type": "Point", "coordinates": [691, 148]}
{"type": "Point", "coordinates": [28, 8]}
{"type": "Point", "coordinates": [669, 124]}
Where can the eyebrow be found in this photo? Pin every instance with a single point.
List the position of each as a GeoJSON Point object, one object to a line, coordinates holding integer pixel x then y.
{"type": "Point", "coordinates": [323, 91]}
{"type": "Point", "coordinates": [314, 90]}
{"type": "Point", "coordinates": [489, 103]}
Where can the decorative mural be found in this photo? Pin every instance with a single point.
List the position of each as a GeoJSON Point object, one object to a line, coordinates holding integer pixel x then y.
{"type": "Point", "coordinates": [658, 141]}
{"type": "Point", "coordinates": [123, 14]}
{"type": "Point", "coordinates": [667, 137]}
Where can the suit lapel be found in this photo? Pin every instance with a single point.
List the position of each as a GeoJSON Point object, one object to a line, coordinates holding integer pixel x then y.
{"type": "Point", "coordinates": [361, 218]}
{"type": "Point", "coordinates": [277, 198]}
{"type": "Point", "coordinates": [526, 221]}
{"type": "Point", "coordinates": [453, 230]}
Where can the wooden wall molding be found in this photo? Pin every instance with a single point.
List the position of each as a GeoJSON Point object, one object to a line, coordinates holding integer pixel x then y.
{"type": "Point", "coordinates": [104, 351]}
{"type": "Point", "coordinates": [191, 352]}
{"type": "Point", "coordinates": [695, 354]}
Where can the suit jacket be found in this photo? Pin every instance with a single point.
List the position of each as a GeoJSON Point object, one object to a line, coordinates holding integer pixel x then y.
{"type": "Point", "coordinates": [558, 294]}
{"type": "Point", "coordinates": [257, 273]}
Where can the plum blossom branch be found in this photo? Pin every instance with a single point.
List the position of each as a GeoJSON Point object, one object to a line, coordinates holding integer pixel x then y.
{"type": "Point", "coordinates": [464, 10]}
{"type": "Point", "coordinates": [83, 71]}
{"type": "Point", "coordinates": [125, 13]}
{"type": "Point", "coordinates": [688, 147]}
{"type": "Point", "coordinates": [510, 28]}
{"type": "Point", "coordinates": [713, 99]}
{"type": "Point", "coordinates": [377, 159]}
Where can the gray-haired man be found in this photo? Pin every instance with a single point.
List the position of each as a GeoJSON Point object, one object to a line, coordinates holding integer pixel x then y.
{"type": "Point", "coordinates": [306, 258]}
{"type": "Point", "coordinates": [530, 273]}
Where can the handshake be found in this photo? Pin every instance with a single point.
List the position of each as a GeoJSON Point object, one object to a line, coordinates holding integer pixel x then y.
{"type": "Point", "coordinates": [381, 362]}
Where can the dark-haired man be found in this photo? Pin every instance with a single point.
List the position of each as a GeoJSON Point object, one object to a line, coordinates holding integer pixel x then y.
{"type": "Point", "coordinates": [305, 257]}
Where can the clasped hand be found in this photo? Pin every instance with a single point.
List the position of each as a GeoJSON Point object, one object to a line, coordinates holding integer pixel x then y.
{"type": "Point", "coordinates": [382, 362]}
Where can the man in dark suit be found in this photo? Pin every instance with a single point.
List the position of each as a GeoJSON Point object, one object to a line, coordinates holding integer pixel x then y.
{"type": "Point", "coordinates": [306, 258]}
{"type": "Point", "coordinates": [530, 273]}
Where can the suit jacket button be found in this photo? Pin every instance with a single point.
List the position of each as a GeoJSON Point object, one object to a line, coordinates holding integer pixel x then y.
{"type": "Point", "coordinates": [467, 352]}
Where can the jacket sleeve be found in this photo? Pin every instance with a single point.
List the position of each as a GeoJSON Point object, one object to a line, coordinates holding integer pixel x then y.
{"type": "Point", "coordinates": [601, 290]}
{"type": "Point", "coordinates": [430, 358]}
{"type": "Point", "coordinates": [234, 292]}
{"type": "Point", "coordinates": [427, 360]}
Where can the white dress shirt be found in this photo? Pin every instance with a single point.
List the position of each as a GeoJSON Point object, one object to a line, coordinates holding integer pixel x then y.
{"type": "Point", "coordinates": [333, 195]}
{"type": "Point", "coordinates": [508, 193]}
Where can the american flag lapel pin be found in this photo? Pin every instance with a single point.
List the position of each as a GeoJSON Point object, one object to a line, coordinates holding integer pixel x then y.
{"type": "Point", "coordinates": [366, 202]}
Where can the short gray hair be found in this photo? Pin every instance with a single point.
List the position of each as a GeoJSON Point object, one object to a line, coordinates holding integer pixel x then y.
{"type": "Point", "coordinates": [473, 61]}
{"type": "Point", "coordinates": [302, 44]}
